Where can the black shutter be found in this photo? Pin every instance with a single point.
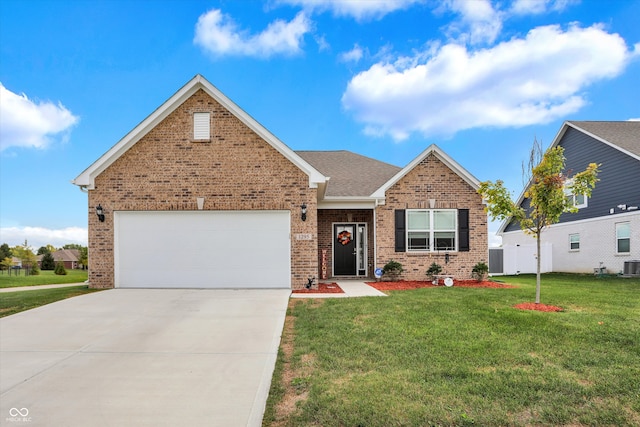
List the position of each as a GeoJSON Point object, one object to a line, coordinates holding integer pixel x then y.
{"type": "Point", "coordinates": [463, 230]}
{"type": "Point", "coordinates": [400, 231]}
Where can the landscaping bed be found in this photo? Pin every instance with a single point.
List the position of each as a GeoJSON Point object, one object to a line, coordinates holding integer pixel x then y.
{"type": "Point", "coordinates": [402, 285]}
{"type": "Point", "coordinates": [538, 307]}
{"type": "Point", "coordinates": [323, 288]}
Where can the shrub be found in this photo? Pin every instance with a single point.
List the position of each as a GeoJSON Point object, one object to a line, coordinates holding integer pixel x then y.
{"type": "Point", "coordinates": [480, 271]}
{"type": "Point", "coordinates": [393, 269]}
{"type": "Point", "coordinates": [33, 270]}
{"type": "Point", "coordinates": [60, 270]}
{"type": "Point", "coordinates": [434, 269]}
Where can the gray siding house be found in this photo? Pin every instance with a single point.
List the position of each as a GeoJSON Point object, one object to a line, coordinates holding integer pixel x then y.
{"type": "Point", "coordinates": [605, 232]}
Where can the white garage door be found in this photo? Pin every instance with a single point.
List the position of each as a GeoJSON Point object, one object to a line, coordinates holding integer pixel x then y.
{"type": "Point", "coordinates": [202, 249]}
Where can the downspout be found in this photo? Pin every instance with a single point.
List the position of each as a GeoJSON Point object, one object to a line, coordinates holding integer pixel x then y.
{"type": "Point", "coordinates": [375, 240]}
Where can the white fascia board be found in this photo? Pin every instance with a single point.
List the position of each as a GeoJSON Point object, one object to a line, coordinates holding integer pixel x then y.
{"type": "Point", "coordinates": [87, 177]}
{"type": "Point", "coordinates": [444, 158]}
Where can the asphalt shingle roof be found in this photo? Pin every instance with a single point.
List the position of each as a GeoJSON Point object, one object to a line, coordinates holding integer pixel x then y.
{"type": "Point", "coordinates": [625, 135]}
{"type": "Point", "coordinates": [351, 174]}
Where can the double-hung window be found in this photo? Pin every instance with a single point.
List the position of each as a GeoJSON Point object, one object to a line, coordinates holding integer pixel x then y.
{"type": "Point", "coordinates": [623, 237]}
{"type": "Point", "coordinates": [574, 242]}
{"type": "Point", "coordinates": [431, 230]}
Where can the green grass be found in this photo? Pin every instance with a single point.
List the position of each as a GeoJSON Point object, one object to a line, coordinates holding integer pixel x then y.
{"type": "Point", "coordinates": [15, 302]}
{"type": "Point", "coordinates": [463, 356]}
{"type": "Point", "coordinates": [44, 278]}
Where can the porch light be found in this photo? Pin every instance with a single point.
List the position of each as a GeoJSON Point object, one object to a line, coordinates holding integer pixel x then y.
{"type": "Point", "coordinates": [303, 212]}
{"type": "Point", "coordinates": [100, 213]}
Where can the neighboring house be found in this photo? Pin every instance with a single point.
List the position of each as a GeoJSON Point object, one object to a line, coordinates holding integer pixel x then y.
{"type": "Point", "coordinates": [201, 195]}
{"type": "Point", "coordinates": [605, 232]}
{"type": "Point", "coordinates": [68, 257]}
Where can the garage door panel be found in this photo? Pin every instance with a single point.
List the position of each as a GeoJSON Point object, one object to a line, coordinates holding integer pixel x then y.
{"type": "Point", "coordinates": [203, 249]}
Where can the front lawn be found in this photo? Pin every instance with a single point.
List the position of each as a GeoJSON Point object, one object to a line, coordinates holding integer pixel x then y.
{"type": "Point", "coordinates": [15, 302]}
{"type": "Point", "coordinates": [46, 277]}
{"type": "Point", "coordinates": [464, 356]}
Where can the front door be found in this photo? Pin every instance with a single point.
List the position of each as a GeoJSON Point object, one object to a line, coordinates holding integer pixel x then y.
{"type": "Point", "coordinates": [344, 249]}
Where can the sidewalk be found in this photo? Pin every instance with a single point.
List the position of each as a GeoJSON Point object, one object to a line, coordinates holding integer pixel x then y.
{"type": "Point", "coordinates": [351, 288]}
{"type": "Point", "coordinates": [36, 287]}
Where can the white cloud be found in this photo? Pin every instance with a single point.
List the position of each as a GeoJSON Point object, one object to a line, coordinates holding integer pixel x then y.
{"type": "Point", "coordinates": [354, 55]}
{"type": "Point", "coordinates": [479, 23]}
{"type": "Point", "coordinates": [218, 34]}
{"type": "Point", "coordinates": [25, 123]}
{"type": "Point", "coordinates": [360, 10]}
{"type": "Point", "coordinates": [635, 119]}
{"type": "Point", "coordinates": [40, 236]}
{"type": "Point", "coordinates": [536, 7]}
{"type": "Point", "coordinates": [519, 82]}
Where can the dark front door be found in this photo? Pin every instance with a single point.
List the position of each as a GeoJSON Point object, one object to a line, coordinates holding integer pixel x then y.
{"type": "Point", "coordinates": [344, 249]}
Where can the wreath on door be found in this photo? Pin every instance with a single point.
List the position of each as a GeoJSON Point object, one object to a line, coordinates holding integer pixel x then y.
{"type": "Point", "coordinates": [344, 237]}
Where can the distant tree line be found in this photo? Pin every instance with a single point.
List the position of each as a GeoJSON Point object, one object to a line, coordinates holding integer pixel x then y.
{"type": "Point", "coordinates": [28, 258]}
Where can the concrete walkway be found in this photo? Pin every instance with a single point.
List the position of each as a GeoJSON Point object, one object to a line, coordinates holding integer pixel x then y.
{"type": "Point", "coordinates": [351, 288]}
{"type": "Point", "coordinates": [36, 287]}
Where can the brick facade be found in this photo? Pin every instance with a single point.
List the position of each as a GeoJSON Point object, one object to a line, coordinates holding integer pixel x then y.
{"type": "Point", "coordinates": [235, 170]}
{"type": "Point", "coordinates": [432, 179]}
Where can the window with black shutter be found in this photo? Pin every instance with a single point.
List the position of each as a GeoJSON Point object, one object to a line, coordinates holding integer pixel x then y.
{"type": "Point", "coordinates": [400, 227]}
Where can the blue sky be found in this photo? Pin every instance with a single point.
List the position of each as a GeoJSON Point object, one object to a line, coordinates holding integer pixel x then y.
{"type": "Point", "coordinates": [382, 78]}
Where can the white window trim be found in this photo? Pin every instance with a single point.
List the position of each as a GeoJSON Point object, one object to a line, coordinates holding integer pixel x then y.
{"type": "Point", "coordinates": [618, 238]}
{"type": "Point", "coordinates": [202, 126]}
{"type": "Point", "coordinates": [431, 231]}
{"type": "Point", "coordinates": [578, 242]}
{"type": "Point", "coordinates": [567, 193]}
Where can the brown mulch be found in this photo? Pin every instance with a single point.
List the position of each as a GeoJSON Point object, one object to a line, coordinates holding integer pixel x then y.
{"type": "Point", "coordinates": [323, 288]}
{"type": "Point", "coordinates": [538, 307]}
{"type": "Point", "coordinates": [416, 284]}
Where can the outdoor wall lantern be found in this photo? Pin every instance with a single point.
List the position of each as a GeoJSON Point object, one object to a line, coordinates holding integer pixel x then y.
{"type": "Point", "coordinates": [303, 212]}
{"type": "Point", "coordinates": [446, 258]}
{"type": "Point", "coordinates": [100, 213]}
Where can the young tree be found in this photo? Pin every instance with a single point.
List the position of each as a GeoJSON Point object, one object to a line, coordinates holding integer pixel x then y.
{"type": "Point", "coordinates": [547, 191]}
{"type": "Point", "coordinates": [25, 254]}
{"type": "Point", "coordinates": [6, 263]}
{"type": "Point", "coordinates": [83, 259]}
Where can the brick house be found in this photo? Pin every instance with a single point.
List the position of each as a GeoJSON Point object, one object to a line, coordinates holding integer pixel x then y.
{"type": "Point", "coordinates": [201, 195]}
{"type": "Point", "coordinates": [68, 257]}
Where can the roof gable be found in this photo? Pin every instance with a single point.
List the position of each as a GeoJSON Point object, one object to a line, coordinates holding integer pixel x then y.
{"type": "Point", "coordinates": [623, 136]}
{"type": "Point", "coordinates": [442, 156]}
{"type": "Point", "coordinates": [87, 178]}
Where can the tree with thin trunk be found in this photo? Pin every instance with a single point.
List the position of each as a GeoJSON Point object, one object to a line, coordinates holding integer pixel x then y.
{"type": "Point", "coordinates": [550, 192]}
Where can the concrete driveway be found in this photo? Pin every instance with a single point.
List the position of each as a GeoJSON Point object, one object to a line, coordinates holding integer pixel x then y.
{"type": "Point", "coordinates": [142, 357]}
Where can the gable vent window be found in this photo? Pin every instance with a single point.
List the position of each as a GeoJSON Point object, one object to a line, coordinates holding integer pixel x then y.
{"type": "Point", "coordinates": [201, 126]}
